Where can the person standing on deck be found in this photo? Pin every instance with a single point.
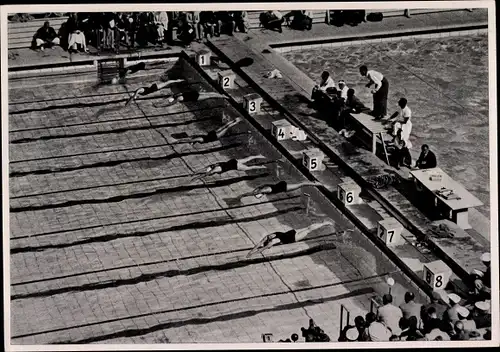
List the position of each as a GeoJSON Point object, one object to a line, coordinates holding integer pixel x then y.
{"type": "Point", "coordinates": [380, 91]}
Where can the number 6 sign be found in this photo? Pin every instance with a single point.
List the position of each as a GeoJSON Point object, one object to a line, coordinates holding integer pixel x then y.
{"type": "Point", "coordinates": [348, 193]}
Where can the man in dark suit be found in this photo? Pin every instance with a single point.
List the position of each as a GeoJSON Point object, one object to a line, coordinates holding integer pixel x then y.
{"type": "Point", "coordinates": [427, 159]}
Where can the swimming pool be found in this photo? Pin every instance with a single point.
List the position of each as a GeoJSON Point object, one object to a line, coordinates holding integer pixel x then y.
{"type": "Point", "coordinates": [446, 83]}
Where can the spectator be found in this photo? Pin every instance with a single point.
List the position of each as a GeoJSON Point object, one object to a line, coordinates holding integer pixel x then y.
{"type": "Point", "coordinates": [186, 33]}
{"type": "Point", "coordinates": [130, 27]}
{"type": "Point", "coordinates": [459, 332]}
{"type": "Point", "coordinates": [380, 91]}
{"type": "Point", "coordinates": [410, 308]}
{"type": "Point", "coordinates": [195, 23]}
{"type": "Point", "coordinates": [161, 22]}
{"type": "Point", "coordinates": [77, 42]}
{"type": "Point", "coordinates": [109, 31]}
{"type": "Point", "coordinates": [400, 152]}
{"type": "Point", "coordinates": [482, 281]}
{"type": "Point", "coordinates": [272, 20]}
{"type": "Point", "coordinates": [451, 315]}
{"type": "Point", "coordinates": [390, 315]}
{"type": "Point", "coordinates": [295, 337]}
{"type": "Point", "coordinates": [360, 325]}
{"type": "Point", "coordinates": [437, 335]}
{"type": "Point", "coordinates": [320, 89]}
{"type": "Point", "coordinates": [407, 13]}
{"type": "Point", "coordinates": [427, 159]}
{"type": "Point", "coordinates": [377, 332]}
{"type": "Point", "coordinates": [241, 21]}
{"type": "Point", "coordinates": [409, 327]}
{"type": "Point", "coordinates": [481, 314]}
{"type": "Point", "coordinates": [463, 314]}
{"type": "Point", "coordinates": [208, 23]}
{"type": "Point", "coordinates": [436, 305]}
{"type": "Point", "coordinates": [343, 89]}
{"type": "Point", "coordinates": [225, 22]}
{"type": "Point", "coordinates": [301, 20]}
{"type": "Point", "coordinates": [45, 36]}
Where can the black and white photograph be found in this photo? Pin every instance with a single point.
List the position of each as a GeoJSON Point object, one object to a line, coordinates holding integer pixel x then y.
{"type": "Point", "coordinates": [253, 175]}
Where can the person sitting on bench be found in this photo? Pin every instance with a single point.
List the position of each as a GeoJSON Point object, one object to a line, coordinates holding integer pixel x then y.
{"type": "Point", "coordinates": [400, 117]}
{"type": "Point", "coordinates": [319, 90]}
{"type": "Point", "coordinates": [301, 20]}
{"type": "Point", "coordinates": [287, 237]}
{"type": "Point", "coordinates": [45, 37]}
{"type": "Point", "coordinates": [400, 151]}
{"type": "Point", "coordinates": [211, 136]}
{"type": "Point", "coordinates": [427, 159]}
{"type": "Point", "coordinates": [272, 20]}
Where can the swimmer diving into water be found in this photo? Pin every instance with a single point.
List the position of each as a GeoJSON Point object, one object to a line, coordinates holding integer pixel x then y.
{"type": "Point", "coordinates": [151, 89]}
{"type": "Point", "coordinates": [211, 136]}
{"type": "Point", "coordinates": [233, 164]}
{"type": "Point", "coordinates": [279, 187]}
{"type": "Point", "coordinates": [287, 237]}
{"type": "Point", "coordinates": [190, 96]}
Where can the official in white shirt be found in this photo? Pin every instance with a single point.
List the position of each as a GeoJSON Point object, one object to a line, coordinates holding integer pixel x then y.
{"type": "Point", "coordinates": [380, 91]}
{"type": "Point", "coordinates": [343, 88]}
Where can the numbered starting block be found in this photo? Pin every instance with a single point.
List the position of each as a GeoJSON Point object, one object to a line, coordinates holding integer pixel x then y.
{"type": "Point", "coordinates": [252, 103]}
{"type": "Point", "coordinates": [313, 159]}
{"type": "Point", "coordinates": [107, 70]}
{"type": "Point", "coordinates": [282, 130]}
{"type": "Point", "coordinates": [203, 58]}
{"type": "Point", "coordinates": [226, 79]}
{"type": "Point", "coordinates": [437, 275]}
{"type": "Point", "coordinates": [389, 230]}
{"type": "Point", "coordinates": [348, 193]}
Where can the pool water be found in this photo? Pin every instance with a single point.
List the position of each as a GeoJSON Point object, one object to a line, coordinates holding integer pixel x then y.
{"type": "Point", "coordinates": [446, 83]}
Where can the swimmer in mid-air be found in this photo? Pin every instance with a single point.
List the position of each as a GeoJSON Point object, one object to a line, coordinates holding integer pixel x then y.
{"type": "Point", "coordinates": [190, 96]}
{"type": "Point", "coordinates": [151, 89]}
{"type": "Point", "coordinates": [211, 136]}
{"type": "Point", "coordinates": [287, 237]}
{"type": "Point", "coordinates": [233, 164]}
{"type": "Point", "coordinates": [280, 187]}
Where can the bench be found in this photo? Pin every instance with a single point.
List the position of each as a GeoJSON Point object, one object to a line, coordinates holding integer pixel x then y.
{"type": "Point", "coordinates": [20, 34]}
{"type": "Point", "coordinates": [455, 206]}
{"type": "Point", "coordinates": [253, 17]}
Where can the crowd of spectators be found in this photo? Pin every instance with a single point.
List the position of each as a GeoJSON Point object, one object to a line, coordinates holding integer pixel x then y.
{"type": "Point", "coordinates": [110, 31]}
{"type": "Point", "coordinates": [447, 317]}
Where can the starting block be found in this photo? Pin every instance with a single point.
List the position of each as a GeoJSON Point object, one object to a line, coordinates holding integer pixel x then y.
{"type": "Point", "coordinates": [109, 69]}
{"type": "Point", "coordinates": [437, 274]}
{"type": "Point", "coordinates": [268, 337]}
{"type": "Point", "coordinates": [252, 103]}
{"type": "Point", "coordinates": [282, 130]}
{"type": "Point", "coordinates": [203, 58]}
{"type": "Point", "coordinates": [226, 79]}
{"type": "Point", "coordinates": [389, 230]}
{"type": "Point", "coordinates": [348, 193]}
{"type": "Point", "coordinates": [313, 159]}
